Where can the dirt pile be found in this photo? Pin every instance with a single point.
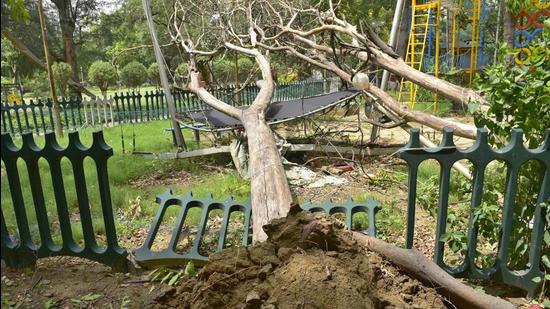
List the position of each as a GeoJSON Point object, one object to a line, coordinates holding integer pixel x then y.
{"type": "Point", "coordinates": [308, 261]}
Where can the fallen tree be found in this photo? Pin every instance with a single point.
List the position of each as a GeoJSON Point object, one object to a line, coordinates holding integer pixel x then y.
{"type": "Point", "coordinates": [235, 27]}
{"type": "Point", "coordinates": [270, 193]}
{"type": "Point", "coordinates": [420, 267]}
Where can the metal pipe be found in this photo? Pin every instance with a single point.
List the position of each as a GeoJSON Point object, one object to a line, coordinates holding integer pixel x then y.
{"type": "Point", "coordinates": [393, 37]}
{"type": "Point", "coordinates": [392, 42]}
{"type": "Point", "coordinates": [163, 77]}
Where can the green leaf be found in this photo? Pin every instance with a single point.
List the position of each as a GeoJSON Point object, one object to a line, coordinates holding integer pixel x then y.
{"type": "Point", "coordinates": [175, 278]}
{"type": "Point", "coordinates": [536, 279]}
{"type": "Point", "coordinates": [168, 275]}
{"type": "Point", "coordinates": [90, 297]}
{"type": "Point", "coordinates": [190, 269]}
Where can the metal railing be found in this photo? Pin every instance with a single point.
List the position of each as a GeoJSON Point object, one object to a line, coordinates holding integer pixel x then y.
{"type": "Point", "coordinates": [168, 254]}
{"type": "Point", "coordinates": [134, 107]}
{"type": "Point", "coordinates": [18, 248]}
{"type": "Point", "coordinates": [481, 154]}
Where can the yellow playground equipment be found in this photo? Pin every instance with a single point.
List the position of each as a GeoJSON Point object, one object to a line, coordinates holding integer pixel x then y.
{"type": "Point", "coordinates": [425, 43]}
{"type": "Point", "coordinates": [424, 18]}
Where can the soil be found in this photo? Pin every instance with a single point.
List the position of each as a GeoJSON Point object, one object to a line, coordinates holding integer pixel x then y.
{"type": "Point", "coordinates": [68, 282]}
{"type": "Point", "coordinates": [308, 261]}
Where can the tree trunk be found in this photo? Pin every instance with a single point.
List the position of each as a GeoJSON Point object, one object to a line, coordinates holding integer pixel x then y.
{"type": "Point", "coordinates": [70, 53]}
{"type": "Point", "coordinates": [270, 193]}
{"type": "Point", "coordinates": [67, 24]}
{"type": "Point", "coordinates": [460, 96]}
{"type": "Point", "coordinates": [508, 27]}
{"type": "Point", "coordinates": [418, 266]}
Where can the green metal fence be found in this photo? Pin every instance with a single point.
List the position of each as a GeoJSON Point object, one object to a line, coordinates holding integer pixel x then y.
{"type": "Point", "coordinates": [170, 255]}
{"type": "Point", "coordinates": [18, 248]}
{"type": "Point", "coordinates": [481, 154]}
{"type": "Point", "coordinates": [134, 107]}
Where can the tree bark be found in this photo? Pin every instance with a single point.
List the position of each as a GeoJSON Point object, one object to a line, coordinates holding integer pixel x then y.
{"type": "Point", "coordinates": [67, 24]}
{"type": "Point", "coordinates": [20, 46]}
{"type": "Point", "coordinates": [420, 267]}
{"type": "Point", "coordinates": [270, 193]}
{"type": "Point", "coordinates": [508, 27]}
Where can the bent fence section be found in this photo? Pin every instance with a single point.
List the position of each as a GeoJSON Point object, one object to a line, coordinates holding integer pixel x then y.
{"type": "Point", "coordinates": [172, 251]}
{"type": "Point", "coordinates": [133, 107]}
{"type": "Point", "coordinates": [481, 154]}
{"type": "Point", "coordinates": [19, 249]}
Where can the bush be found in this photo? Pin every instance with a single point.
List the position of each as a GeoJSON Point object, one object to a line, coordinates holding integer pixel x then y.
{"type": "Point", "coordinates": [37, 85]}
{"type": "Point", "coordinates": [133, 75]}
{"type": "Point", "coordinates": [153, 74]}
{"type": "Point", "coordinates": [62, 72]}
{"type": "Point", "coordinates": [102, 74]}
{"type": "Point", "coordinates": [181, 72]}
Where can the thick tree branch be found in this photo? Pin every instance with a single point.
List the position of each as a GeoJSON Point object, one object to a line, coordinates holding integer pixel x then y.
{"type": "Point", "coordinates": [196, 87]}
{"type": "Point", "coordinates": [457, 94]}
{"type": "Point", "coordinates": [432, 121]}
{"type": "Point", "coordinates": [418, 266]}
{"type": "Point", "coordinates": [263, 99]}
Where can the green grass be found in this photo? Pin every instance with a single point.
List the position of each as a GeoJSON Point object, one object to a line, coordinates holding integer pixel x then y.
{"type": "Point", "coordinates": [123, 169]}
{"type": "Point", "coordinates": [425, 103]}
{"type": "Point", "coordinates": [110, 92]}
{"type": "Point", "coordinates": [113, 90]}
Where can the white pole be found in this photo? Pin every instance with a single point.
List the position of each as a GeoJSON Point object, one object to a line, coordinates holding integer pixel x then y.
{"type": "Point", "coordinates": [392, 42]}
{"type": "Point", "coordinates": [393, 37]}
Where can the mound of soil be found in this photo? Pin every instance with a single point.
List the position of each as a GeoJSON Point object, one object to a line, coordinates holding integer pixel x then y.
{"type": "Point", "coordinates": [308, 261]}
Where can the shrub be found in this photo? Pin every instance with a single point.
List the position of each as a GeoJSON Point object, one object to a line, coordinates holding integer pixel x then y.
{"type": "Point", "coordinates": [102, 74]}
{"type": "Point", "coordinates": [62, 72]}
{"type": "Point", "coordinates": [153, 74]}
{"type": "Point", "coordinates": [133, 75]}
{"type": "Point", "coordinates": [37, 85]}
{"type": "Point", "coordinates": [518, 96]}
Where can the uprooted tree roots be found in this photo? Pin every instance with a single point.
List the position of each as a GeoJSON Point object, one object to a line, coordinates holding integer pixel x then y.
{"type": "Point", "coordinates": [308, 261]}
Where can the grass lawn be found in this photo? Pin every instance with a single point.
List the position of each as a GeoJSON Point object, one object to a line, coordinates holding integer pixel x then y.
{"type": "Point", "coordinates": [112, 91]}
{"type": "Point", "coordinates": [133, 179]}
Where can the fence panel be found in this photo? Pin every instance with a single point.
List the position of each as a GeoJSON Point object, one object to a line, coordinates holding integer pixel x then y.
{"type": "Point", "coordinates": [168, 255]}
{"type": "Point", "coordinates": [481, 154]}
{"type": "Point", "coordinates": [18, 249]}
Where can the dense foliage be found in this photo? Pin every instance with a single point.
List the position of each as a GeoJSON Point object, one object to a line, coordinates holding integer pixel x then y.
{"type": "Point", "coordinates": [519, 95]}
{"type": "Point", "coordinates": [153, 74]}
{"type": "Point", "coordinates": [133, 75]}
{"type": "Point", "coordinates": [62, 73]}
{"type": "Point", "coordinates": [103, 75]}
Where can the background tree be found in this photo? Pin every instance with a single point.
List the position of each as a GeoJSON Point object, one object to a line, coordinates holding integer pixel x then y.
{"type": "Point", "coordinates": [103, 75]}
{"type": "Point", "coordinates": [73, 16]}
{"type": "Point", "coordinates": [11, 61]}
{"type": "Point", "coordinates": [62, 73]}
{"type": "Point", "coordinates": [133, 75]}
